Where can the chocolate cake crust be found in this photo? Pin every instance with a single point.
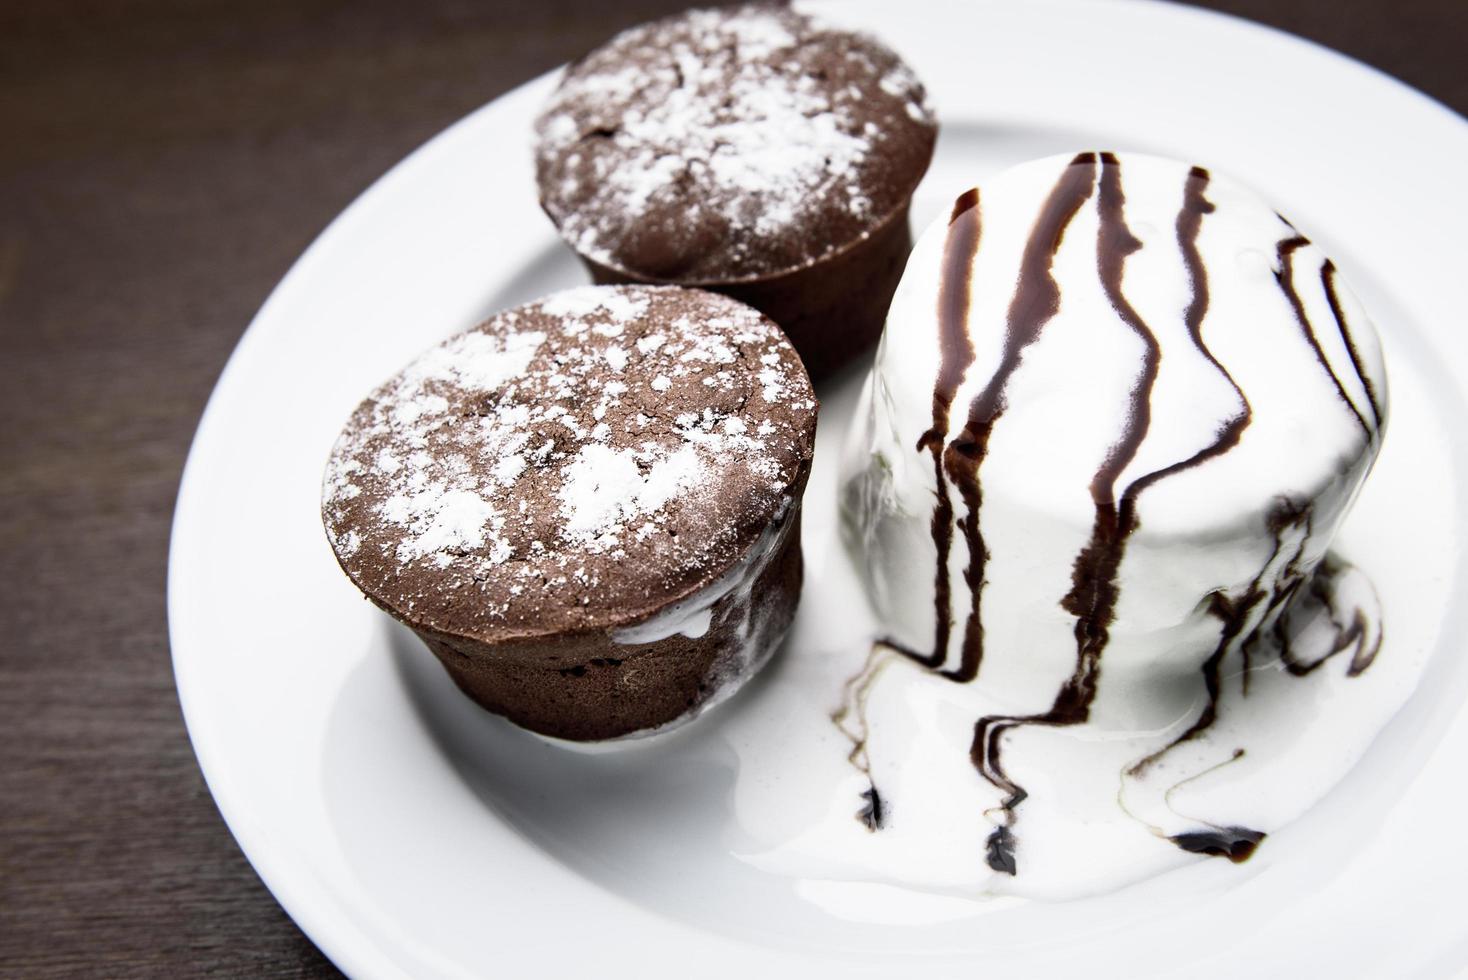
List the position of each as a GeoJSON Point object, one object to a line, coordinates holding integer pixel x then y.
{"type": "Point", "coordinates": [572, 466]}
{"type": "Point", "coordinates": [719, 146]}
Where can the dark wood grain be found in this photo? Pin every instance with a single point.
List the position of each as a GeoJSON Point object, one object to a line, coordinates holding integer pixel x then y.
{"type": "Point", "coordinates": [162, 163]}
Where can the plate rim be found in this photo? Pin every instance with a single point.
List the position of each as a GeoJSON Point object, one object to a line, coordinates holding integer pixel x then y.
{"type": "Point", "coordinates": [337, 936]}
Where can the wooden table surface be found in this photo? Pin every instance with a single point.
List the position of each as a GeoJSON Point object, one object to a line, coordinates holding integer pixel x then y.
{"type": "Point", "coordinates": [162, 163]}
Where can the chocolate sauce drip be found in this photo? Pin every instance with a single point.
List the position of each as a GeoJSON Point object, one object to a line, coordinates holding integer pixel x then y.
{"type": "Point", "coordinates": [1285, 277]}
{"type": "Point", "coordinates": [871, 812]}
{"type": "Point", "coordinates": [1238, 843]}
{"type": "Point", "coordinates": [1327, 280]}
{"type": "Point", "coordinates": [1234, 614]}
{"type": "Point", "coordinates": [1093, 595]}
{"type": "Point", "coordinates": [956, 353]}
{"type": "Point", "coordinates": [1115, 243]}
{"type": "Point", "coordinates": [999, 851]}
{"type": "Point", "coordinates": [1235, 843]}
{"type": "Point", "coordinates": [1189, 223]}
{"type": "Point", "coordinates": [1036, 301]}
{"type": "Point", "coordinates": [1350, 636]}
{"type": "Point", "coordinates": [1286, 583]}
{"type": "Point", "coordinates": [1286, 516]}
{"type": "Point", "coordinates": [1289, 580]}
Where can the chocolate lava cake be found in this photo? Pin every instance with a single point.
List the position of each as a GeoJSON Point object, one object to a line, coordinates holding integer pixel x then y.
{"type": "Point", "coordinates": [588, 507]}
{"type": "Point", "coordinates": [750, 150]}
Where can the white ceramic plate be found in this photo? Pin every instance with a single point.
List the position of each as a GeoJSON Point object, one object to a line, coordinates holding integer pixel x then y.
{"type": "Point", "coordinates": [411, 835]}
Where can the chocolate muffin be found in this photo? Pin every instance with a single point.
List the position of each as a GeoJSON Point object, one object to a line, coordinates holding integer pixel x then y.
{"type": "Point", "coordinates": [588, 507]}
{"type": "Point", "coordinates": [749, 150]}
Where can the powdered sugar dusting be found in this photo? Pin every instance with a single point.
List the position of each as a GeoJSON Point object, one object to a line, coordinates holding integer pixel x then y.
{"type": "Point", "coordinates": [475, 360]}
{"type": "Point", "coordinates": [585, 301]}
{"type": "Point", "coordinates": [607, 427]}
{"type": "Point", "coordinates": [438, 520]}
{"type": "Point", "coordinates": [733, 120]}
{"type": "Point", "coordinates": [436, 504]}
{"type": "Point", "coordinates": [607, 488]}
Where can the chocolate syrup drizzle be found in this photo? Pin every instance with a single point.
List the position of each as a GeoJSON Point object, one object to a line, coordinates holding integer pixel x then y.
{"type": "Point", "coordinates": [1094, 592]}
{"type": "Point", "coordinates": [1238, 843]}
{"type": "Point", "coordinates": [1094, 587]}
{"type": "Point", "coordinates": [1286, 515]}
{"type": "Point", "coordinates": [1235, 843]}
{"type": "Point", "coordinates": [872, 814]}
{"type": "Point", "coordinates": [1327, 282]}
{"type": "Point", "coordinates": [956, 353]}
{"type": "Point", "coordinates": [1354, 635]}
{"type": "Point", "coordinates": [1285, 276]}
{"type": "Point", "coordinates": [1036, 301]}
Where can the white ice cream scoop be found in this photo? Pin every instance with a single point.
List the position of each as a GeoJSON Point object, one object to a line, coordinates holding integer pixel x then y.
{"type": "Point", "coordinates": [1119, 410]}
